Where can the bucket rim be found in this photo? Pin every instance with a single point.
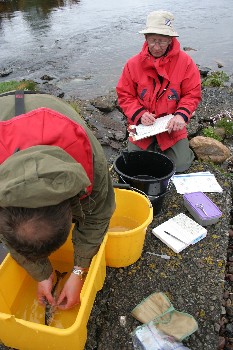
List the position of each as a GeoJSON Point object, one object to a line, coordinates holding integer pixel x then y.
{"type": "Point", "coordinates": [169, 176]}
{"type": "Point", "coordinates": [148, 220]}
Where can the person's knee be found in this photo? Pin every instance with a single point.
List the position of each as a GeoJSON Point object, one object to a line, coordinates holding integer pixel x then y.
{"type": "Point", "coordinates": [132, 147]}
{"type": "Point", "coordinates": [183, 165]}
{"type": "Point", "coordinates": [181, 155]}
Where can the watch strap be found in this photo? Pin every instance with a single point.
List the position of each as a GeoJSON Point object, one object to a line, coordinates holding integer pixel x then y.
{"type": "Point", "coordinates": [79, 272]}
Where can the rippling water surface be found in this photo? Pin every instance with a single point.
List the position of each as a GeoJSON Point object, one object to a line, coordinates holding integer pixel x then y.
{"type": "Point", "coordinates": [84, 44]}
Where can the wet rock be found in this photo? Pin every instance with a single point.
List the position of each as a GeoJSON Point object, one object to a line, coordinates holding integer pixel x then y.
{"type": "Point", "coordinates": [46, 77]}
{"type": "Point", "coordinates": [51, 89]}
{"type": "Point", "coordinates": [220, 64]}
{"type": "Point", "coordinates": [204, 71]}
{"type": "Point", "coordinates": [187, 48]}
{"type": "Point", "coordinates": [105, 103]}
{"type": "Point", "coordinates": [5, 72]}
{"type": "Point", "coordinates": [209, 149]}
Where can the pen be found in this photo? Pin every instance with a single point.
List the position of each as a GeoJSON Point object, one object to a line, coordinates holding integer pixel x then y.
{"type": "Point", "coordinates": [170, 234]}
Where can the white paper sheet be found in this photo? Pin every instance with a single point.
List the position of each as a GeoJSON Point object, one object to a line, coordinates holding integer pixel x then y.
{"type": "Point", "coordinates": [138, 132]}
{"type": "Point", "coordinates": [186, 230]}
{"type": "Point", "coordinates": [194, 182]}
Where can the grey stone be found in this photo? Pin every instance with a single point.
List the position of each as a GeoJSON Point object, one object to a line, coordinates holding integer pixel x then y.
{"type": "Point", "coordinates": [209, 149]}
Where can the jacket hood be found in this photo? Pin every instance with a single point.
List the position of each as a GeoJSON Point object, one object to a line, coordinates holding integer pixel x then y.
{"type": "Point", "coordinates": [40, 176]}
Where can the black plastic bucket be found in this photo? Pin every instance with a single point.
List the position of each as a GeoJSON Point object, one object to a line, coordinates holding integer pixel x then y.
{"type": "Point", "coordinates": [150, 172]}
{"type": "Point", "coordinates": [157, 202]}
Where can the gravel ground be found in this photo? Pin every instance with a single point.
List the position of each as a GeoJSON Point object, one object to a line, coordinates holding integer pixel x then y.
{"type": "Point", "coordinates": [193, 280]}
{"type": "Point", "coordinates": [197, 280]}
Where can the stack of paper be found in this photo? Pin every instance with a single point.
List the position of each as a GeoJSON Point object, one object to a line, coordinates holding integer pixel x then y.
{"type": "Point", "coordinates": [179, 232]}
{"type": "Point", "coordinates": [202, 181]}
{"type": "Point", "coordinates": [138, 132]}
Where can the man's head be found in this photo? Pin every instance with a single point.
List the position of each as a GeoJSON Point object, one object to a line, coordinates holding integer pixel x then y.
{"type": "Point", "coordinates": [36, 232]}
{"type": "Point", "coordinates": [159, 32]}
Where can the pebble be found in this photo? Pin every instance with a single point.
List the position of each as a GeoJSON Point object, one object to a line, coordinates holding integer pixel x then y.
{"type": "Point", "coordinates": [229, 311]}
{"type": "Point", "coordinates": [221, 343]}
{"type": "Point", "coordinates": [229, 347]}
{"type": "Point", "coordinates": [229, 329]}
{"type": "Point", "coordinates": [226, 294]}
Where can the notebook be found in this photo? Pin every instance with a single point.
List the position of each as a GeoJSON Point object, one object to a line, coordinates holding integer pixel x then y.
{"type": "Point", "coordinates": [138, 132]}
{"type": "Point", "coordinates": [179, 232]}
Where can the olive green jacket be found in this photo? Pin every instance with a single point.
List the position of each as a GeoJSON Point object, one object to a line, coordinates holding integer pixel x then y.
{"type": "Point", "coordinates": [93, 212]}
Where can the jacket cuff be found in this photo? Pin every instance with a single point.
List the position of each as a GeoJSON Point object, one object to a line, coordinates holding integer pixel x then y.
{"type": "Point", "coordinates": [41, 272]}
{"type": "Point", "coordinates": [137, 115]}
{"type": "Point", "coordinates": [183, 116]}
{"type": "Point", "coordinates": [82, 262]}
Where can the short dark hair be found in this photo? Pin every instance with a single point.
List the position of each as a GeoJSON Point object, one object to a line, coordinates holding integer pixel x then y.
{"type": "Point", "coordinates": [36, 232]}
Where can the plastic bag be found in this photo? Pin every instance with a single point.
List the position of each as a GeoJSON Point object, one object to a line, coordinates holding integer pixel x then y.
{"type": "Point", "coordinates": [148, 337]}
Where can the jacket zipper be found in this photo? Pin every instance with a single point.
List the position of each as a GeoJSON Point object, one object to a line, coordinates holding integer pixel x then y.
{"type": "Point", "coordinates": [163, 92]}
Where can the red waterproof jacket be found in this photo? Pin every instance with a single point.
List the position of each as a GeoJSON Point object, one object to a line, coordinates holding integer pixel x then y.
{"type": "Point", "coordinates": [167, 85]}
{"type": "Point", "coordinates": [44, 126]}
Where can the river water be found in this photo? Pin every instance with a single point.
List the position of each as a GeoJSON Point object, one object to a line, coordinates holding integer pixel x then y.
{"type": "Point", "coordinates": [84, 44]}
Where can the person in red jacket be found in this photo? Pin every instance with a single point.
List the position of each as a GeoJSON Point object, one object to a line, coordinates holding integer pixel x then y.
{"type": "Point", "coordinates": [161, 79]}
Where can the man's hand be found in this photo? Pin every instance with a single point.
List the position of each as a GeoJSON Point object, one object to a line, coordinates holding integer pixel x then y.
{"type": "Point", "coordinates": [70, 295]}
{"type": "Point", "coordinates": [176, 123]}
{"type": "Point", "coordinates": [148, 118]}
{"type": "Point", "coordinates": [44, 291]}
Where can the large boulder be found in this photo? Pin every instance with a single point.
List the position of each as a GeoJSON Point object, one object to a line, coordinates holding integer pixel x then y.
{"type": "Point", "coordinates": [209, 149]}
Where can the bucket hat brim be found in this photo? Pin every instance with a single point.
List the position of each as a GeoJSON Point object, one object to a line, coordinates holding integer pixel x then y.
{"type": "Point", "coordinates": [153, 30]}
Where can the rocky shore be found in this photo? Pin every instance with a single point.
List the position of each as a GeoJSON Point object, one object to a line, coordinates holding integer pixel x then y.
{"type": "Point", "coordinates": [212, 301]}
{"type": "Point", "coordinates": [199, 279]}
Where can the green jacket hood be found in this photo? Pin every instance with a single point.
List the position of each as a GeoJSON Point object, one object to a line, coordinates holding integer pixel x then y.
{"type": "Point", "coordinates": [40, 176]}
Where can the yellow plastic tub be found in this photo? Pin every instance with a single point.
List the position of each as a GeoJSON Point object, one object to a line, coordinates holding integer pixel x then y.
{"type": "Point", "coordinates": [127, 229]}
{"type": "Point", "coordinates": [22, 319]}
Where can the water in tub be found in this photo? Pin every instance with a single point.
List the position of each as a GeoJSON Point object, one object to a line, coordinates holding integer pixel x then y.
{"type": "Point", "coordinates": [27, 307]}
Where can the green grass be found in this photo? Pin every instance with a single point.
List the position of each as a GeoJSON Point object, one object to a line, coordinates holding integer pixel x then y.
{"type": "Point", "coordinates": [209, 132]}
{"type": "Point", "coordinates": [215, 79]}
{"type": "Point", "coordinates": [17, 85]}
{"type": "Point", "coordinates": [227, 124]}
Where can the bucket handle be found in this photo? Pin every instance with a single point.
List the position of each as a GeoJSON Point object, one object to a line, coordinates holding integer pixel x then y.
{"type": "Point", "coordinates": [128, 187]}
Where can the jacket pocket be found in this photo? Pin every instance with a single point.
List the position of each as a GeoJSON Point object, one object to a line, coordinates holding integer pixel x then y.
{"type": "Point", "coordinates": [173, 97]}
{"type": "Point", "coordinates": [143, 94]}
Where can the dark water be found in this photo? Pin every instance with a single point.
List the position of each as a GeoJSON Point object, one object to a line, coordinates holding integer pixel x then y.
{"type": "Point", "coordinates": [84, 44]}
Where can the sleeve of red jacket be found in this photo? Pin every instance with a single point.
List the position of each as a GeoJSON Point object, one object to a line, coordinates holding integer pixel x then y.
{"type": "Point", "coordinates": [190, 92]}
{"type": "Point", "coordinates": [127, 97]}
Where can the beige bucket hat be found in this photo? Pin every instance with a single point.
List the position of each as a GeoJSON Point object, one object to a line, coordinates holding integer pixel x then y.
{"type": "Point", "coordinates": [160, 22]}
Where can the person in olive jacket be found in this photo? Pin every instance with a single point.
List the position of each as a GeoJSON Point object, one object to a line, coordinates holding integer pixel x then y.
{"type": "Point", "coordinates": [53, 173]}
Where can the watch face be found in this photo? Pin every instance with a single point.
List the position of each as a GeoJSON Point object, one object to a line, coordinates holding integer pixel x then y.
{"type": "Point", "coordinates": [81, 273]}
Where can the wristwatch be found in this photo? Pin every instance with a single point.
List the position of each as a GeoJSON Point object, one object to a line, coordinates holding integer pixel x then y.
{"type": "Point", "coordinates": [81, 273]}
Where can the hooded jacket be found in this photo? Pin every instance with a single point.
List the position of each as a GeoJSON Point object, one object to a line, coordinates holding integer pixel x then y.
{"type": "Point", "coordinates": [48, 155]}
{"type": "Point", "coordinates": [167, 85]}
